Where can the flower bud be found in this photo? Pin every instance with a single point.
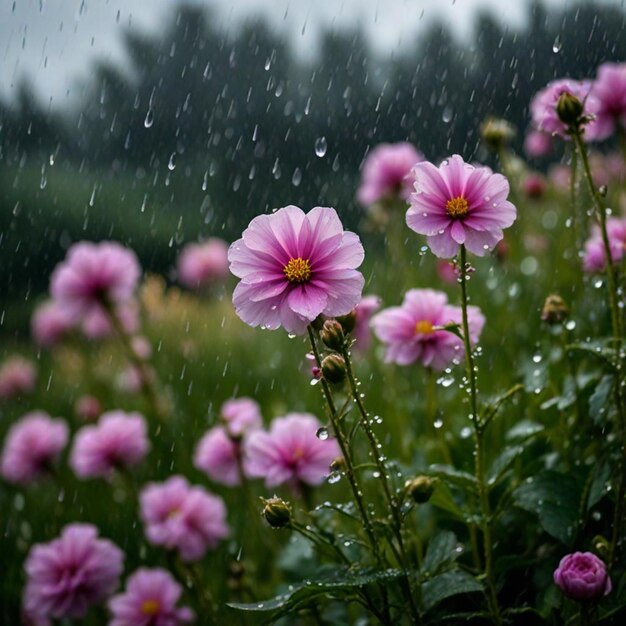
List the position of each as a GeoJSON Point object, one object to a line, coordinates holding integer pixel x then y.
{"type": "Point", "coordinates": [582, 576]}
{"type": "Point", "coordinates": [601, 545]}
{"type": "Point", "coordinates": [338, 464]}
{"type": "Point", "coordinates": [277, 512]}
{"type": "Point", "coordinates": [332, 335]}
{"type": "Point", "coordinates": [348, 321]}
{"type": "Point", "coordinates": [496, 132]}
{"type": "Point", "coordinates": [420, 488]}
{"type": "Point", "coordinates": [334, 368]}
{"type": "Point", "coordinates": [569, 108]}
{"type": "Point", "coordinates": [554, 310]}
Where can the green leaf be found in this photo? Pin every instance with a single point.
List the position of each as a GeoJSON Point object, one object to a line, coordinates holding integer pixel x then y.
{"type": "Point", "coordinates": [524, 430]}
{"type": "Point", "coordinates": [503, 462]}
{"type": "Point", "coordinates": [453, 476]}
{"type": "Point", "coordinates": [599, 401]}
{"type": "Point", "coordinates": [599, 478]}
{"type": "Point", "coordinates": [442, 498]}
{"type": "Point", "coordinates": [441, 551]}
{"type": "Point", "coordinates": [446, 585]}
{"type": "Point", "coordinates": [598, 349]}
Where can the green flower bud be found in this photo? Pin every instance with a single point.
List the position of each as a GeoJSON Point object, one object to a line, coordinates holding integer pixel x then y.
{"type": "Point", "coordinates": [420, 488]}
{"type": "Point", "coordinates": [277, 512]}
{"type": "Point", "coordinates": [348, 321]}
{"type": "Point", "coordinates": [334, 368]}
{"type": "Point", "coordinates": [569, 108]}
{"type": "Point", "coordinates": [332, 335]}
{"type": "Point", "coordinates": [496, 133]}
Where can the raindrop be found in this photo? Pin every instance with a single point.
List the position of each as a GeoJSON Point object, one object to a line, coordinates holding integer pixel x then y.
{"type": "Point", "coordinates": [296, 179]}
{"type": "Point", "coordinates": [171, 164]}
{"type": "Point", "coordinates": [322, 433]}
{"type": "Point", "coordinates": [557, 45]}
{"type": "Point", "coordinates": [149, 119]}
{"type": "Point", "coordinates": [446, 116]}
{"type": "Point", "coordinates": [438, 423]}
{"type": "Point", "coordinates": [320, 146]}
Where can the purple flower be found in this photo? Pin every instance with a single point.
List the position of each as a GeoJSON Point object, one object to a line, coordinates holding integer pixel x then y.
{"type": "Point", "coordinates": [294, 267]}
{"type": "Point", "coordinates": [219, 456]}
{"type": "Point", "coordinates": [582, 576]}
{"type": "Point", "coordinates": [364, 311]}
{"type": "Point", "coordinates": [71, 573]}
{"type": "Point", "coordinates": [537, 143]}
{"type": "Point", "coordinates": [149, 600]}
{"type": "Point", "coordinates": [241, 415]}
{"type": "Point", "coordinates": [291, 452]}
{"type": "Point", "coordinates": [408, 331]}
{"type": "Point", "coordinates": [458, 203]}
{"type": "Point", "coordinates": [202, 264]}
{"type": "Point", "coordinates": [50, 323]}
{"type": "Point", "coordinates": [595, 255]}
{"type": "Point", "coordinates": [32, 445]}
{"type": "Point", "coordinates": [183, 517]}
{"type": "Point", "coordinates": [97, 325]}
{"type": "Point", "coordinates": [118, 441]}
{"type": "Point", "coordinates": [609, 89]}
{"type": "Point", "coordinates": [17, 377]}
{"type": "Point", "coordinates": [387, 172]}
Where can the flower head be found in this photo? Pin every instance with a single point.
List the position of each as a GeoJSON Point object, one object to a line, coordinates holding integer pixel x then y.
{"type": "Point", "coordinates": [96, 324]}
{"type": "Point", "coordinates": [71, 573]}
{"type": "Point", "coordinates": [595, 254]}
{"type": "Point", "coordinates": [457, 203]}
{"type": "Point", "coordinates": [387, 172]}
{"type": "Point", "coordinates": [182, 517]}
{"type": "Point", "coordinates": [50, 323]}
{"type": "Point", "coordinates": [219, 456]}
{"type": "Point", "coordinates": [609, 89]}
{"type": "Point", "coordinates": [537, 143]}
{"type": "Point", "coordinates": [295, 266]}
{"type": "Point", "coordinates": [582, 576]}
{"type": "Point", "coordinates": [18, 377]}
{"type": "Point", "coordinates": [364, 311]}
{"type": "Point", "coordinates": [118, 440]}
{"type": "Point", "coordinates": [203, 264]}
{"type": "Point", "coordinates": [32, 445]}
{"type": "Point", "coordinates": [291, 452]}
{"type": "Point", "coordinates": [150, 599]}
{"type": "Point", "coordinates": [241, 415]}
{"type": "Point", "coordinates": [410, 335]}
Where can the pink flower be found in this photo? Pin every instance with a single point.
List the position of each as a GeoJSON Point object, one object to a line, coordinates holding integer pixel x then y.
{"type": "Point", "coordinates": [537, 143]}
{"type": "Point", "coordinates": [583, 576]}
{"type": "Point", "coordinates": [202, 264]}
{"type": "Point", "coordinates": [17, 377]}
{"type": "Point", "coordinates": [544, 115]}
{"type": "Point", "coordinates": [241, 415]}
{"type": "Point", "coordinates": [291, 452]}
{"type": "Point", "coordinates": [118, 441]}
{"type": "Point", "coordinates": [559, 175]}
{"type": "Point", "coordinates": [49, 324]}
{"type": "Point", "coordinates": [88, 408]}
{"type": "Point", "coordinates": [408, 331]}
{"type": "Point", "coordinates": [71, 573]}
{"type": "Point", "coordinates": [387, 172]}
{"type": "Point", "coordinates": [183, 517]}
{"type": "Point", "coordinates": [609, 89]}
{"type": "Point", "coordinates": [364, 311]}
{"type": "Point", "coordinates": [294, 267]}
{"type": "Point", "coordinates": [97, 325]}
{"type": "Point", "coordinates": [447, 272]}
{"type": "Point", "coordinates": [32, 445]}
{"type": "Point", "coordinates": [218, 455]}
{"type": "Point", "coordinates": [149, 600]}
{"type": "Point", "coordinates": [595, 257]}
{"type": "Point", "coordinates": [458, 203]}
{"type": "Point", "coordinates": [93, 274]}
{"type": "Point", "coordinates": [533, 186]}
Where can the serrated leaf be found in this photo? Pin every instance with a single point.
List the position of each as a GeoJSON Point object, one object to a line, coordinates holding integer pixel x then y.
{"type": "Point", "coordinates": [599, 400]}
{"type": "Point", "coordinates": [441, 551]}
{"type": "Point", "coordinates": [446, 585]}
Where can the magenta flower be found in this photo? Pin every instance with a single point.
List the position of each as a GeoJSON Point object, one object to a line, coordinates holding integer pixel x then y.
{"type": "Point", "coordinates": [241, 415]}
{"type": "Point", "coordinates": [458, 203]}
{"type": "Point", "coordinates": [183, 517]}
{"type": "Point", "coordinates": [595, 255]}
{"type": "Point", "coordinates": [294, 267]}
{"type": "Point", "coordinates": [537, 143]}
{"type": "Point", "coordinates": [219, 456]}
{"type": "Point", "coordinates": [203, 264]}
{"type": "Point", "coordinates": [118, 441]}
{"type": "Point", "coordinates": [544, 115]}
{"type": "Point", "coordinates": [149, 600]}
{"type": "Point", "coordinates": [50, 323]}
{"type": "Point", "coordinates": [96, 324]}
{"type": "Point", "coordinates": [291, 452]}
{"type": "Point", "coordinates": [533, 186]}
{"type": "Point", "coordinates": [18, 377]}
{"type": "Point", "coordinates": [387, 172]}
{"type": "Point", "coordinates": [71, 573]}
{"type": "Point", "coordinates": [410, 335]}
{"type": "Point", "coordinates": [32, 445]}
{"type": "Point", "coordinates": [364, 311]}
{"type": "Point", "coordinates": [582, 576]}
{"type": "Point", "coordinates": [94, 274]}
{"type": "Point", "coordinates": [609, 89]}
{"type": "Point", "coordinates": [447, 272]}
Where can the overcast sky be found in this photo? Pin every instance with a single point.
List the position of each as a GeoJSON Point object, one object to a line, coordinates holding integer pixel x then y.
{"type": "Point", "coordinates": [53, 41]}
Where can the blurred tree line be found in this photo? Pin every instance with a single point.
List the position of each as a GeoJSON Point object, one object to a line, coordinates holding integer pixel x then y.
{"type": "Point", "coordinates": [201, 130]}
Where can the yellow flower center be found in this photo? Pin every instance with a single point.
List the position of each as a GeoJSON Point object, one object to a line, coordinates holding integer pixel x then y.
{"type": "Point", "coordinates": [423, 327]}
{"type": "Point", "coordinates": [297, 270]}
{"type": "Point", "coordinates": [457, 207]}
{"type": "Point", "coordinates": [150, 607]}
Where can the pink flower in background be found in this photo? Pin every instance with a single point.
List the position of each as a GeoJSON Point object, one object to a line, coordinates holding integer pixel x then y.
{"type": "Point", "coordinates": [582, 576]}
{"type": "Point", "coordinates": [595, 256]}
{"type": "Point", "coordinates": [97, 325]}
{"type": "Point", "coordinates": [457, 203]}
{"type": "Point", "coordinates": [141, 347]}
{"type": "Point", "coordinates": [609, 89]}
{"type": "Point", "coordinates": [17, 377]}
{"type": "Point", "coordinates": [129, 380]}
{"type": "Point", "coordinates": [447, 272]}
{"type": "Point", "coordinates": [291, 452]}
{"type": "Point", "coordinates": [68, 575]}
{"type": "Point", "coordinates": [183, 517]}
{"type": "Point", "coordinates": [93, 274]}
{"type": "Point", "coordinates": [32, 445]}
{"type": "Point", "coordinates": [295, 266]}
{"type": "Point", "coordinates": [533, 186]}
{"type": "Point", "coordinates": [387, 172]}
{"type": "Point", "coordinates": [118, 441]}
{"type": "Point", "coordinates": [559, 175]}
{"type": "Point", "coordinates": [241, 415]}
{"type": "Point", "coordinates": [49, 324]}
{"type": "Point", "coordinates": [364, 311]}
{"type": "Point", "coordinates": [218, 455]}
{"type": "Point", "coordinates": [409, 334]}
{"type": "Point", "coordinates": [202, 264]}
{"type": "Point", "coordinates": [150, 599]}
{"type": "Point", "coordinates": [537, 143]}
{"type": "Point", "coordinates": [544, 115]}
{"type": "Point", "coordinates": [88, 408]}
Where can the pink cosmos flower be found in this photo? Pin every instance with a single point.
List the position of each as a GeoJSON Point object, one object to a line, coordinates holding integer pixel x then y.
{"type": "Point", "coordinates": [218, 455]}
{"type": "Point", "coordinates": [458, 203]}
{"type": "Point", "coordinates": [49, 324]}
{"type": "Point", "coordinates": [118, 441]}
{"type": "Point", "coordinates": [582, 576]}
{"type": "Point", "coordinates": [544, 115]}
{"type": "Point", "coordinates": [295, 266]}
{"type": "Point", "coordinates": [537, 143]}
{"type": "Point", "coordinates": [203, 264]}
{"type": "Point", "coordinates": [241, 415]}
{"type": "Point", "coordinates": [32, 445]}
{"type": "Point", "coordinates": [92, 274]}
{"type": "Point", "coordinates": [364, 311]}
{"type": "Point", "coordinates": [17, 377]}
{"type": "Point", "coordinates": [183, 517]}
{"type": "Point", "coordinates": [408, 331]}
{"type": "Point", "coordinates": [149, 600]}
{"type": "Point", "coordinates": [387, 172]}
{"type": "Point", "coordinates": [595, 257]}
{"type": "Point", "coordinates": [609, 89]}
{"type": "Point", "coordinates": [71, 573]}
{"type": "Point", "coordinates": [291, 452]}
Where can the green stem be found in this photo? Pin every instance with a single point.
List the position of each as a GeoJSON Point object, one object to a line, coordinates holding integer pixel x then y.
{"type": "Point", "coordinates": [578, 226]}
